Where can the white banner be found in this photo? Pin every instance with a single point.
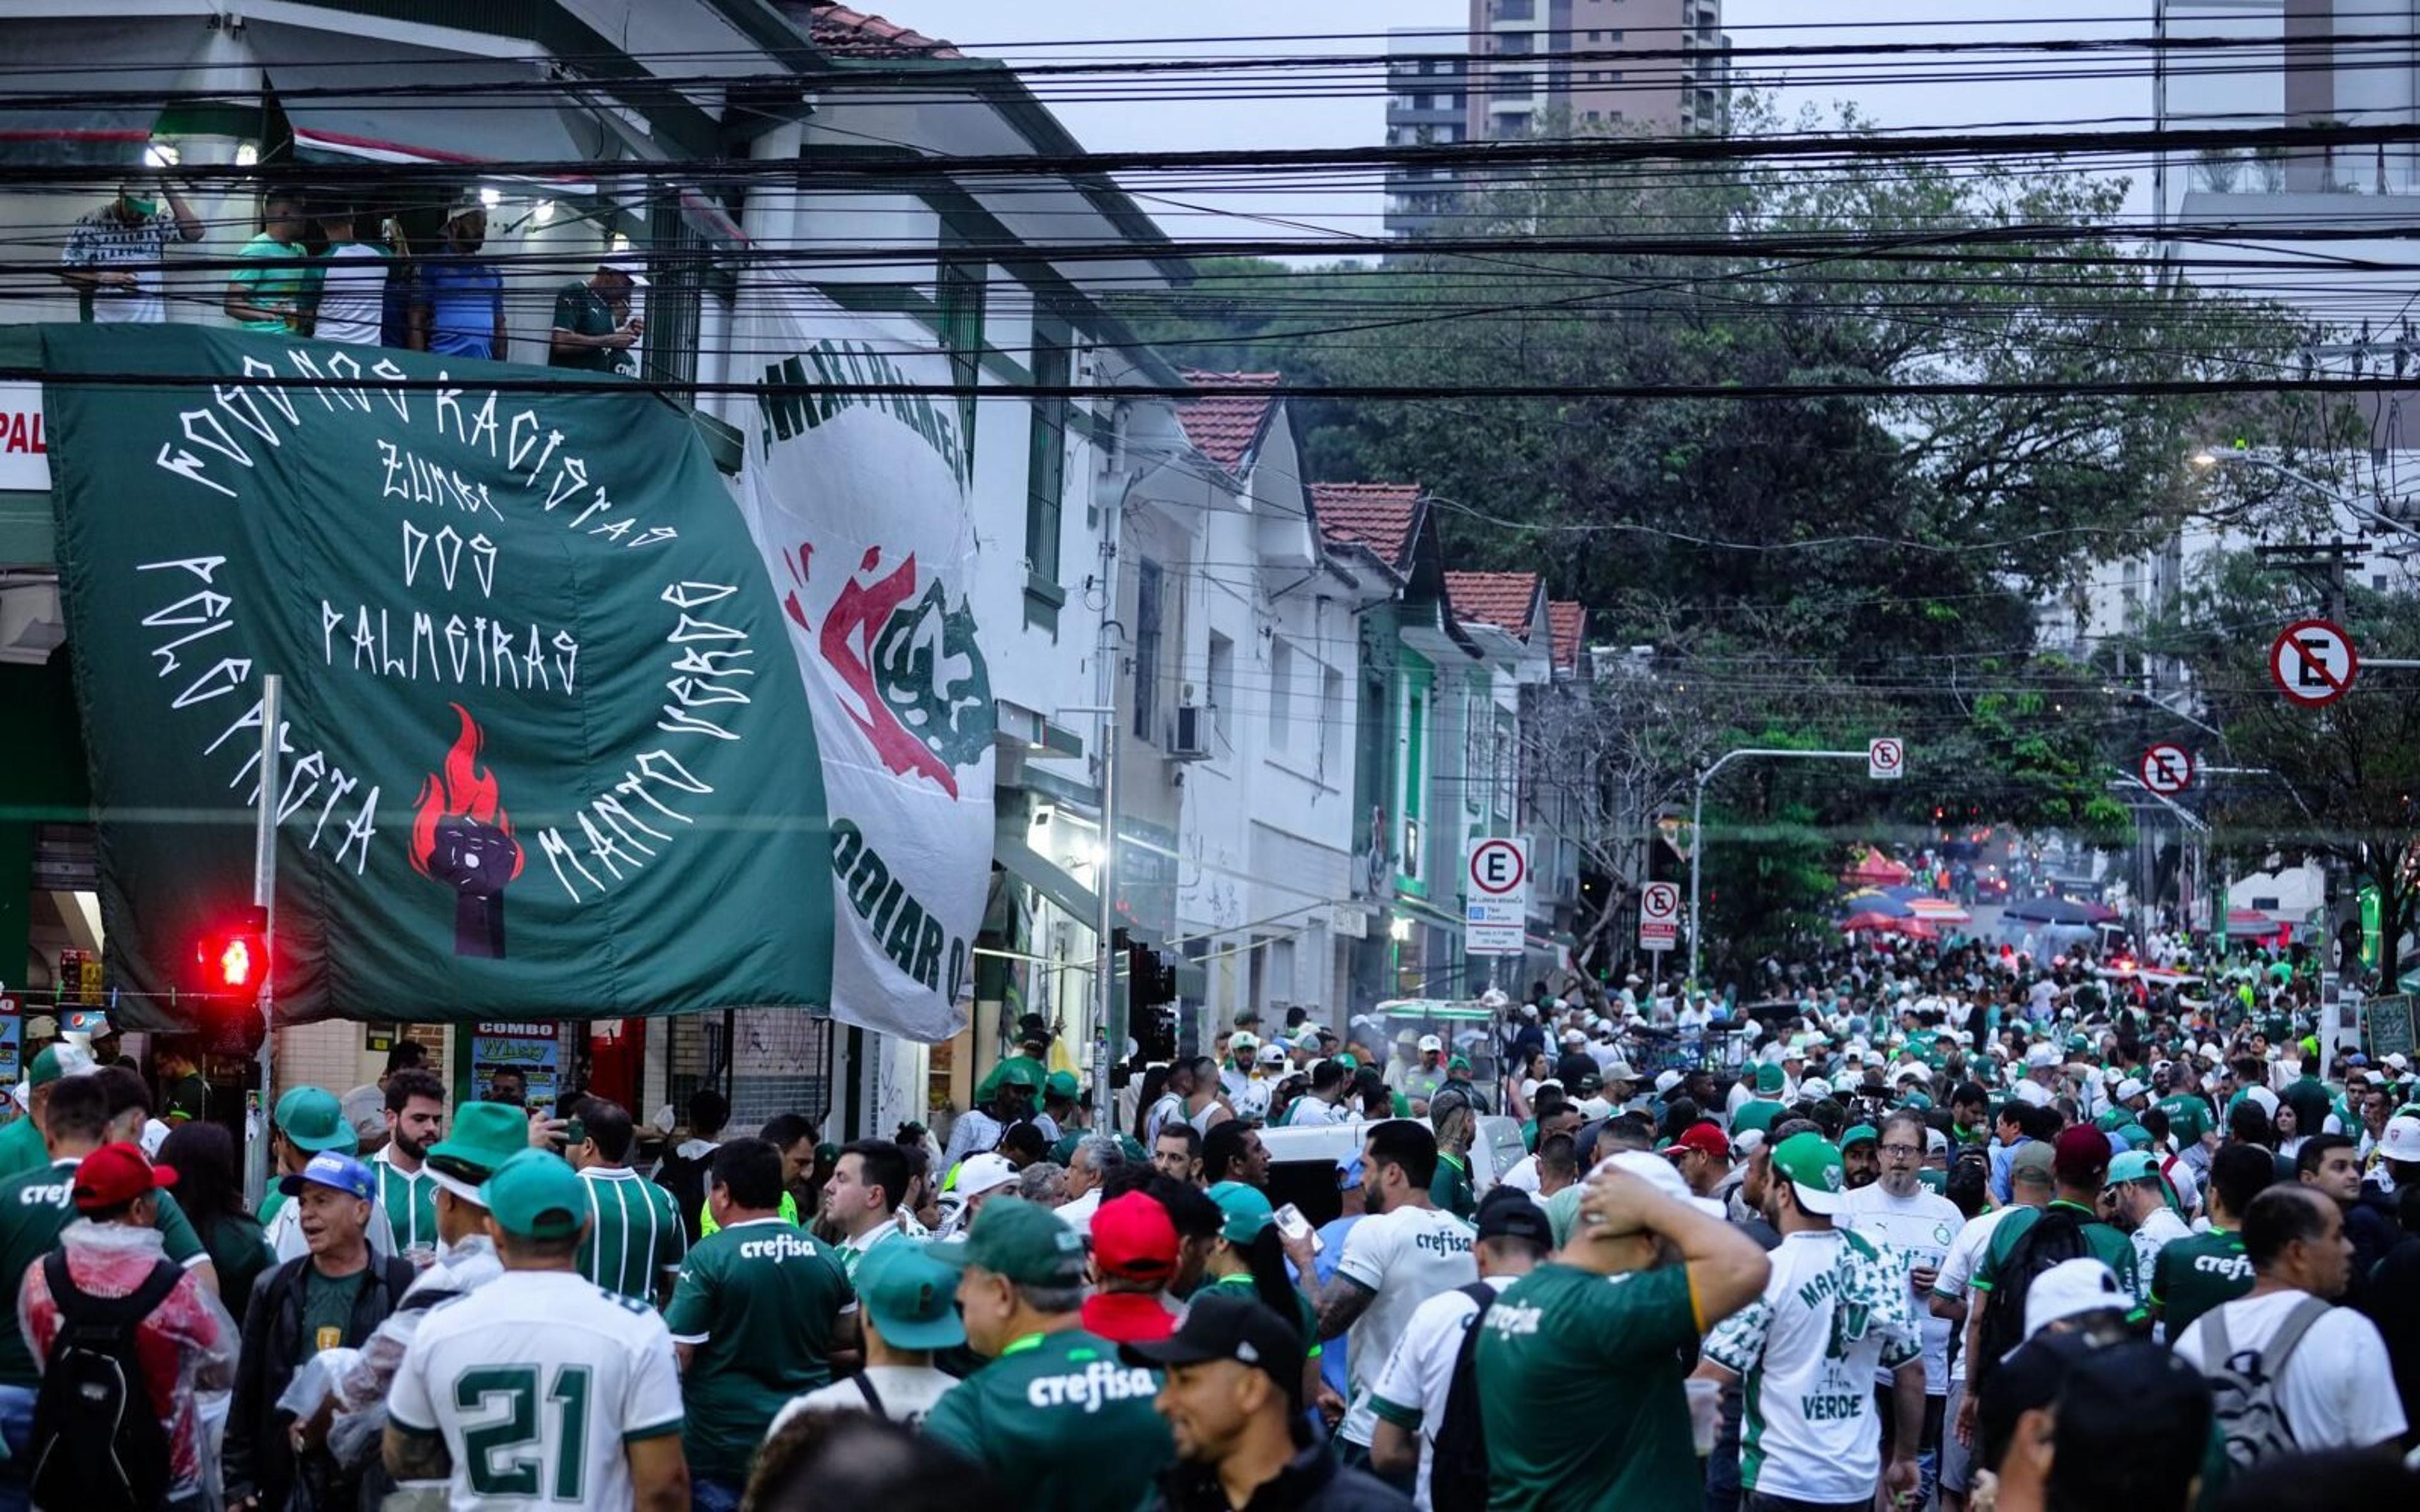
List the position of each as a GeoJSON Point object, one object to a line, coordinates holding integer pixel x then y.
{"type": "Point", "coordinates": [858, 503]}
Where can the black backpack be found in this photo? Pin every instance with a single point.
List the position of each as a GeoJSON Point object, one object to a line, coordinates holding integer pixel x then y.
{"type": "Point", "coordinates": [97, 1444]}
{"type": "Point", "coordinates": [685, 1179]}
{"type": "Point", "coordinates": [1458, 1459]}
{"type": "Point", "coordinates": [2055, 1236]}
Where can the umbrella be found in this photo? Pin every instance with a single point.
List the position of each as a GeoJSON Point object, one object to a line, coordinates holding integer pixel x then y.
{"type": "Point", "coordinates": [1938, 911]}
{"type": "Point", "coordinates": [2246, 923]}
{"type": "Point", "coordinates": [1873, 866]}
{"type": "Point", "coordinates": [2057, 911]}
{"type": "Point", "coordinates": [1875, 902]}
{"type": "Point", "coordinates": [1915, 929]}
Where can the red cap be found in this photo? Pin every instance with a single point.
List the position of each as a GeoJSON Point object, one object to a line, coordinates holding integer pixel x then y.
{"type": "Point", "coordinates": [1706, 1139]}
{"type": "Point", "coordinates": [2080, 1157]}
{"type": "Point", "coordinates": [1133, 1237]}
{"type": "Point", "coordinates": [116, 1174]}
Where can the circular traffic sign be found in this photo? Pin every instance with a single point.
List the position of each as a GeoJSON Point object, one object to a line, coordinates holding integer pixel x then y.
{"type": "Point", "coordinates": [2167, 769]}
{"type": "Point", "coordinates": [2313, 662]}
{"type": "Point", "coordinates": [1497, 867]}
{"type": "Point", "coordinates": [1659, 901]}
{"type": "Point", "coordinates": [1886, 754]}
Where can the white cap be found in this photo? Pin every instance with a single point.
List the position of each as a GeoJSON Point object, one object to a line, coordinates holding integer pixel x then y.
{"type": "Point", "coordinates": [1910, 1071]}
{"type": "Point", "coordinates": [2398, 1062]}
{"type": "Point", "coordinates": [2401, 1141]}
{"type": "Point", "coordinates": [2033, 1094]}
{"type": "Point", "coordinates": [1272, 1054]}
{"type": "Point", "coordinates": [1662, 1175]}
{"type": "Point", "coordinates": [2130, 1087]}
{"type": "Point", "coordinates": [1572, 1037]}
{"type": "Point", "coordinates": [1620, 1071]}
{"type": "Point", "coordinates": [979, 1174]}
{"type": "Point", "coordinates": [1430, 1041]}
{"type": "Point", "coordinates": [626, 267]}
{"type": "Point", "coordinates": [1815, 1087]}
{"type": "Point", "coordinates": [2042, 1054]}
{"type": "Point", "coordinates": [1666, 1081]}
{"type": "Point", "coordinates": [1243, 1040]}
{"type": "Point", "coordinates": [2068, 1289]}
{"type": "Point", "coordinates": [1594, 1107]}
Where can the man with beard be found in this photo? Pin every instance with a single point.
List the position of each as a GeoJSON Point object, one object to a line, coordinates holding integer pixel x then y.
{"type": "Point", "coordinates": [415, 1118]}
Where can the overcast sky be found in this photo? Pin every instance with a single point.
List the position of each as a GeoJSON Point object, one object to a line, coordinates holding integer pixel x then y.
{"type": "Point", "coordinates": [1037, 30]}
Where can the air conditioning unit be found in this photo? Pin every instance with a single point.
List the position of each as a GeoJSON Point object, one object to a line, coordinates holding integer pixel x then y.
{"type": "Point", "coordinates": [1188, 739]}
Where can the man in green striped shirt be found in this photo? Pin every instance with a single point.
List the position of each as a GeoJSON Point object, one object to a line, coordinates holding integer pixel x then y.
{"type": "Point", "coordinates": [635, 1243]}
{"type": "Point", "coordinates": [415, 1119]}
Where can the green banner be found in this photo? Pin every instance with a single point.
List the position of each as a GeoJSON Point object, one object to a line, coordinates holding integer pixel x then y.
{"type": "Point", "coordinates": [544, 750]}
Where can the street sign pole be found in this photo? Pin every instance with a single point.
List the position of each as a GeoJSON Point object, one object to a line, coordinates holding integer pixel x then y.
{"type": "Point", "coordinates": [1697, 825]}
{"type": "Point", "coordinates": [264, 897]}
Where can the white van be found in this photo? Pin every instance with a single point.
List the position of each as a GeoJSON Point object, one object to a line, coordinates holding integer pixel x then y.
{"type": "Point", "coordinates": [1304, 1164]}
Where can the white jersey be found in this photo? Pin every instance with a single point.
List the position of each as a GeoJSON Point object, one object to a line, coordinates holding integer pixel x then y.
{"type": "Point", "coordinates": [903, 1393]}
{"type": "Point", "coordinates": [1406, 1257]}
{"type": "Point", "coordinates": [1418, 1375]}
{"type": "Point", "coordinates": [536, 1380]}
{"type": "Point", "coordinates": [1833, 1309]}
{"type": "Point", "coordinates": [2158, 1231]}
{"type": "Point", "coordinates": [2337, 1388]}
{"type": "Point", "coordinates": [1917, 1231]}
{"type": "Point", "coordinates": [1965, 1253]}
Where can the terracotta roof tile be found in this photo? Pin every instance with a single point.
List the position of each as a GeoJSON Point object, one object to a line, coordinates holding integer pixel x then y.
{"type": "Point", "coordinates": [1379, 515]}
{"type": "Point", "coordinates": [1569, 622]}
{"type": "Point", "coordinates": [854, 33]}
{"type": "Point", "coordinates": [1502, 599]}
{"type": "Point", "coordinates": [1225, 428]}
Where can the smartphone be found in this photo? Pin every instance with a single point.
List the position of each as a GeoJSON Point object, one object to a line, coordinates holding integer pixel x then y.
{"type": "Point", "coordinates": [1294, 1225]}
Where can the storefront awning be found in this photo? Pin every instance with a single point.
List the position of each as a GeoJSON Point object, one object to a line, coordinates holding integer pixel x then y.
{"type": "Point", "coordinates": [476, 112]}
{"type": "Point", "coordinates": [1054, 881]}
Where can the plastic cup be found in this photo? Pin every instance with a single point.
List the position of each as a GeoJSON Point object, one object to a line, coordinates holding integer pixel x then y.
{"type": "Point", "coordinates": [1705, 1413]}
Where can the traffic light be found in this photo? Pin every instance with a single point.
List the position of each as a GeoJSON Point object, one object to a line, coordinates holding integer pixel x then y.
{"type": "Point", "coordinates": [229, 971]}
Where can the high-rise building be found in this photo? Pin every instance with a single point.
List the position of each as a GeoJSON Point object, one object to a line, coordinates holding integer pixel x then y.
{"type": "Point", "coordinates": [1553, 65]}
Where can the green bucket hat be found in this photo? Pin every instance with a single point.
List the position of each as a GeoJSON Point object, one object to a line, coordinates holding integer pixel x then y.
{"type": "Point", "coordinates": [1770, 1077]}
{"type": "Point", "coordinates": [484, 1136]}
{"type": "Point", "coordinates": [1814, 1172]}
{"type": "Point", "coordinates": [1245, 1208]}
{"type": "Point", "coordinates": [1019, 1071]}
{"type": "Point", "coordinates": [536, 1195]}
{"type": "Point", "coordinates": [910, 1297]}
{"type": "Point", "coordinates": [1020, 1240]}
{"type": "Point", "coordinates": [313, 1119]}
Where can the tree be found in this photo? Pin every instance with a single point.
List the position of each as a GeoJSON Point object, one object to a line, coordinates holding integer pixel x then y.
{"type": "Point", "coordinates": [2345, 786]}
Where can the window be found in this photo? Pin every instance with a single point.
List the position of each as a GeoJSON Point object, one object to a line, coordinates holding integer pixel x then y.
{"type": "Point", "coordinates": [1423, 103]}
{"type": "Point", "coordinates": [1047, 469]}
{"type": "Point", "coordinates": [1416, 728]}
{"type": "Point", "coordinates": [1507, 773]}
{"type": "Point", "coordinates": [1516, 10]}
{"type": "Point", "coordinates": [1331, 722]}
{"type": "Point", "coordinates": [1280, 692]}
{"type": "Point", "coordinates": [1146, 650]}
{"type": "Point", "coordinates": [958, 289]}
{"type": "Point", "coordinates": [1222, 683]}
{"type": "Point", "coordinates": [1515, 44]}
{"type": "Point", "coordinates": [1475, 757]}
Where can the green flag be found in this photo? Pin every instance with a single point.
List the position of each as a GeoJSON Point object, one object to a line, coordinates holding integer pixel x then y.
{"type": "Point", "coordinates": [545, 752]}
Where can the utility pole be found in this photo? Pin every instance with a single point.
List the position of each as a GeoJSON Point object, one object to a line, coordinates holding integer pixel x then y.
{"type": "Point", "coordinates": [1108, 1015]}
{"type": "Point", "coordinates": [264, 897]}
{"type": "Point", "coordinates": [2321, 563]}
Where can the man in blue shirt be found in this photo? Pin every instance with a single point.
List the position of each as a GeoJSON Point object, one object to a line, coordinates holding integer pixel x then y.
{"type": "Point", "coordinates": [458, 307]}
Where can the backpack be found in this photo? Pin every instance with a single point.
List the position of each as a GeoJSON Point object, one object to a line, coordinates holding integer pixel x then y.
{"type": "Point", "coordinates": [97, 1444]}
{"type": "Point", "coordinates": [685, 1179]}
{"type": "Point", "coordinates": [1458, 1459]}
{"type": "Point", "coordinates": [2245, 1400]}
{"type": "Point", "coordinates": [2055, 1236]}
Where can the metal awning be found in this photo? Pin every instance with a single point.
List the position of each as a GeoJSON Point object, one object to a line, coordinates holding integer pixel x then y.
{"type": "Point", "coordinates": [1030, 867]}
{"type": "Point", "coordinates": [477, 111]}
{"type": "Point", "coordinates": [75, 92]}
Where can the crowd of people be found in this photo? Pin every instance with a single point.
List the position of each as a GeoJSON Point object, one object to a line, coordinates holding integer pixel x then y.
{"type": "Point", "coordinates": [329, 268]}
{"type": "Point", "coordinates": [1957, 1231]}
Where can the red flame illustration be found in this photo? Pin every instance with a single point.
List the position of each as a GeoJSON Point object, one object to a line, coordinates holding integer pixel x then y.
{"type": "Point", "coordinates": [468, 792]}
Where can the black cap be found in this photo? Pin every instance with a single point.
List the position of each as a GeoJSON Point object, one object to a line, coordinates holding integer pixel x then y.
{"type": "Point", "coordinates": [1509, 1214]}
{"type": "Point", "coordinates": [1223, 1323]}
{"type": "Point", "coordinates": [2136, 1421]}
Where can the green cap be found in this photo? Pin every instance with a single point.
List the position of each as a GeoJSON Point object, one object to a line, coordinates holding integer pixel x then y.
{"type": "Point", "coordinates": [910, 1297]}
{"type": "Point", "coordinates": [1814, 1172]}
{"type": "Point", "coordinates": [1916, 1100]}
{"type": "Point", "coordinates": [46, 1068]}
{"type": "Point", "coordinates": [1770, 1077]}
{"type": "Point", "coordinates": [1017, 1070]}
{"type": "Point", "coordinates": [1063, 1084]}
{"type": "Point", "coordinates": [2133, 1165]}
{"type": "Point", "coordinates": [1457, 1063]}
{"type": "Point", "coordinates": [1022, 1241]}
{"type": "Point", "coordinates": [1346, 1059]}
{"type": "Point", "coordinates": [1859, 1134]}
{"type": "Point", "coordinates": [1245, 1209]}
{"type": "Point", "coordinates": [536, 1194]}
{"type": "Point", "coordinates": [484, 1136]}
{"type": "Point", "coordinates": [315, 1120]}
{"type": "Point", "coordinates": [2136, 1136]}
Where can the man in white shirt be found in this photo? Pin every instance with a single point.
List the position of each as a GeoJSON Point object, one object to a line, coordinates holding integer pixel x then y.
{"type": "Point", "coordinates": [1409, 1394]}
{"type": "Point", "coordinates": [1403, 1252]}
{"type": "Point", "coordinates": [868, 1179]}
{"type": "Point", "coordinates": [1324, 1103]}
{"type": "Point", "coordinates": [2142, 1208]}
{"type": "Point", "coordinates": [2032, 1185]}
{"type": "Point", "coordinates": [352, 284]}
{"type": "Point", "coordinates": [906, 1308]}
{"type": "Point", "coordinates": [2326, 1368]}
{"type": "Point", "coordinates": [1915, 1226]}
{"type": "Point", "coordinates": [114, 254]}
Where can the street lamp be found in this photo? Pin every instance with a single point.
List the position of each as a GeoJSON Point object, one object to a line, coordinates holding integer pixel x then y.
{"type": "Point", "coordinates": [2206, 458]}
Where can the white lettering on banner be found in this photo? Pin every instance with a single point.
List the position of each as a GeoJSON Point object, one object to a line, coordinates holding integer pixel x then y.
{"type": "Point", "coordinates": [612, 829]}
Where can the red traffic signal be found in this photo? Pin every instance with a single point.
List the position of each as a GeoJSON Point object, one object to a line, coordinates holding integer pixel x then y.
{"type": "Point", "coordinates": [233, 959]}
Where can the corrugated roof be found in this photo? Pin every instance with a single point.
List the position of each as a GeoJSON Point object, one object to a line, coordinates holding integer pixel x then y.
{"type": "Point", "coordinates": [1568, 619]}
{"type": "Point", "coordinates": [1225, 428]}
{"type": "Point", "coordinates": [854, 33]}
{"type": "Point", "coordinates": [1379, 515]}
{"type": "Point", "coordinates": [1502, 599]}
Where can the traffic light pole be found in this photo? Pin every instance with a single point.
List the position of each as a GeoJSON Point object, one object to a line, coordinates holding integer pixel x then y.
{"type": "Point", "coordinates": [264, 897]}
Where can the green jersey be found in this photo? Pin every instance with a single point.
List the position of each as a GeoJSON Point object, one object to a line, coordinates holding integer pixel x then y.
{"type": "Point", "coordinates": [2188, 1118]}
{"type": "Point", "coordinates": [1756, 1113]}
{"type": "Point", "coordinates": [1058, 1422]}
{"type": "Point", "coordinates": [1451, 1188]}
{"type": "Point", "coordinates": [2106, 1242]}
{"type": "Point", "coordinates": [21, 1149]}
{"type": "Point", "coordinates": [36, 1207]}
{"type": "Point", "coordinates": [634, 1236]}
{"type": "Point", "coordinates": [410, 1198]}
{"type": "Point", "coordinates": [274, 277]}
{"type": "Point", "coordinates": [582, 311]}
{"type": "Point", "coordinates": [756, 1303]}
{"type": "Point", "coordinates": [1561, 1334]}
{"type": "Point", "coordinates": [2193, 1275]}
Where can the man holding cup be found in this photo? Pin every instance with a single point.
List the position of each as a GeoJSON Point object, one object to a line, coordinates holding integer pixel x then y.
{"type": "Point", "coordinates": [1646, 1271]}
